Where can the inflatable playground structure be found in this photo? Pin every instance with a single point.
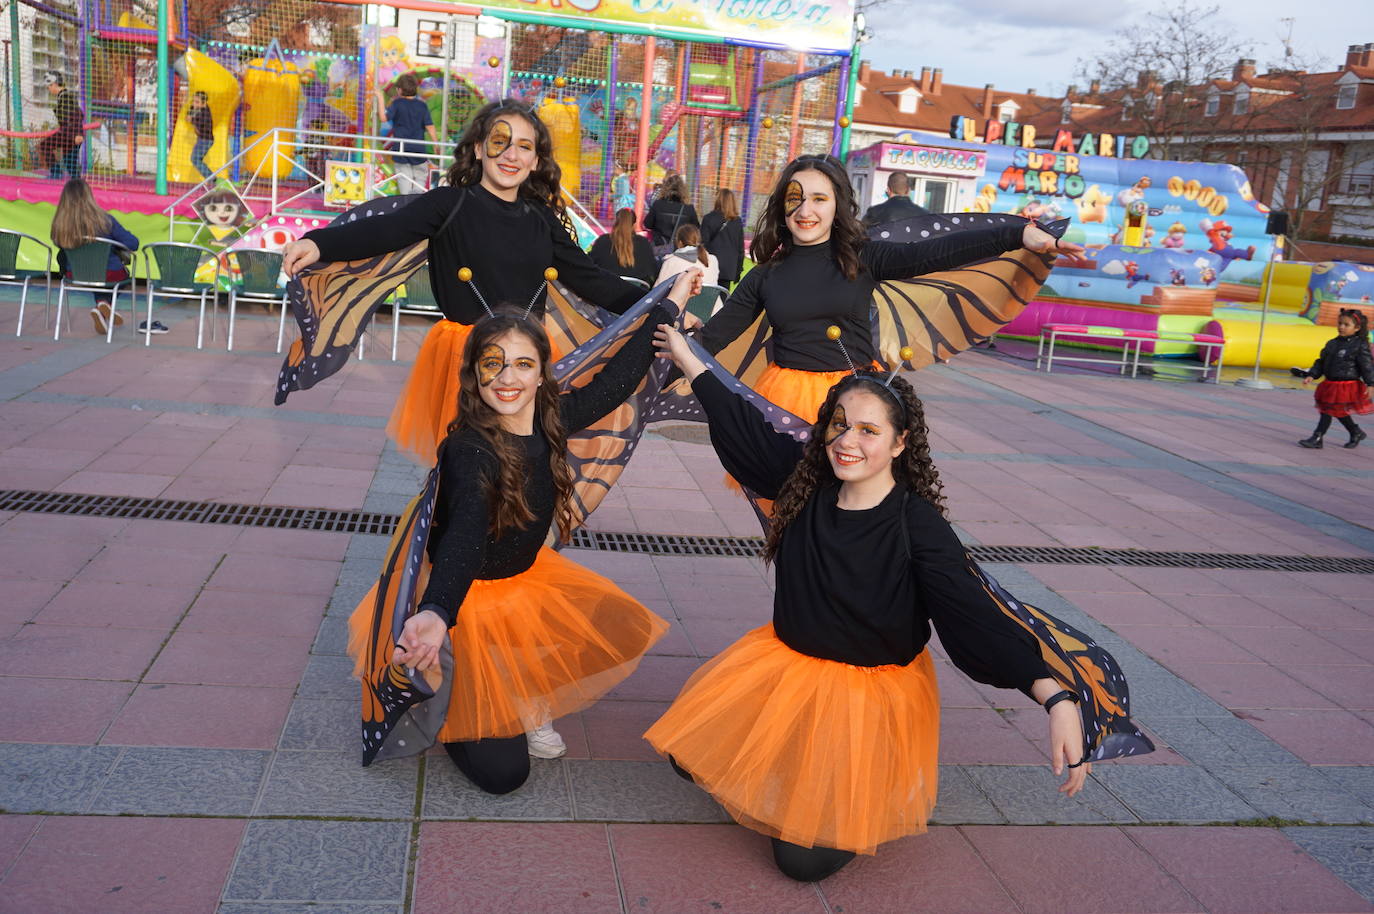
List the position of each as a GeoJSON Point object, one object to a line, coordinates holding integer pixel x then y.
{"type": "Point", "coordinates": [1174, 248]}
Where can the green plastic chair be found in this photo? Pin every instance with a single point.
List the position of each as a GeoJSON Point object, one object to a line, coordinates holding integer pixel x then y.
{"type": "Point", "coordinates": [11, 275]}
{"type": "Point", "coordinates": [704, 303]}
{"type": "Point", "coordinates": [177, 264]}
{"type": "Point", "coordinates": [88, 265]}
{"type": "Point", "coordinates": [260, 281]}
{"type": "Point", "coordinates": [419, 299]}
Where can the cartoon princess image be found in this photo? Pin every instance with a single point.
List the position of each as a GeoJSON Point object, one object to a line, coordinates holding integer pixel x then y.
{"type": "Point", "coordinates": [1174, 237]}
{"type": "Point", "coordinates": [392, 59]}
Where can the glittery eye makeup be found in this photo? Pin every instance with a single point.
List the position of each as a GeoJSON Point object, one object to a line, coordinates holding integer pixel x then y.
{"type": "Point", "coordinates": [498, 140]}
{"type": "Point", "coordinates": [793, 198]}
{"type": "Point", "coordinates": [838, 426]}
{"type": "Point", "coordinates": [490, 363]}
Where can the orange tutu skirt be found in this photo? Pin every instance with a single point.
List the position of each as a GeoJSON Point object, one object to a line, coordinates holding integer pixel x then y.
{"type": "Point", "coordinates": [810, 751]}
{"type": "Point", "coordinates": [531, 648]}
{"type": "Point", "coordinates": [429, 402]}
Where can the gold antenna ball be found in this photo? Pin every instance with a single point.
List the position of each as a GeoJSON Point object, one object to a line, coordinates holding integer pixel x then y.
{"type": "Point", "coordinates": [844, 121]}
{"type": "Point", "coordinates": [907, 353]}
{"type": "Point", "coordinates": [560, 81]}
{"type": "Point", "coordinates": [464, 274]}
{"type": "Point", "coordinates": [493, 61]}
{"type": "Point", "coordinates": [550, 274]}
{"type": "Point", "coordinates": [767, 122]}
{"type": "Point", "coordinates": [832, 332]}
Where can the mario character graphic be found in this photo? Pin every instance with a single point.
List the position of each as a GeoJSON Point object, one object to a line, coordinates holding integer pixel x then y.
{"type": "Point", "coordinates": [1174, 237]}
{"type": "Point", "coordinates": [1219, 237]}
{"type": "Point", "coordinates": [1133, 274]}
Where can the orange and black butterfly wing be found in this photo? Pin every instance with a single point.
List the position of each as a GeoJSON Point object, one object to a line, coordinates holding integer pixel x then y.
{"type": "Point", "coordinates": [941, 314]}
{"type": "Point", "coordinates": [1080, 665]}
{"type": "Point", "coordinates": [333, 302]}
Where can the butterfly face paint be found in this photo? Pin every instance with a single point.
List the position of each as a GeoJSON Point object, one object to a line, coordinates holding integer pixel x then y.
{"type": "Point", "coordinates": [837, 427]}
{"type": "Point", "coordinates": [498, 139]}
{"type": "Point", "coordinates": [809, 202]}
{"type": "Point", "coordinates": [859, 440]}
{"type": "Point", "coordinates": [793, 198]}
{"type": "Point", "coordinates": [509, 154]}
{"type": "Point", "coordinates": [490, 363]}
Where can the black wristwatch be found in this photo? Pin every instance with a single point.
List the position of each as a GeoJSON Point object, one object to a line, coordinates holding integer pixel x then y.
{"type": "Point", "coordinates": [1057, 697]}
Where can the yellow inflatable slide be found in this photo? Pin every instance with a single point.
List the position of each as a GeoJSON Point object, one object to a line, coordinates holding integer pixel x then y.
{"type": "Point", "coordinates": [272, 89]}
{"type": "Point", "coordinates": [222, 89]}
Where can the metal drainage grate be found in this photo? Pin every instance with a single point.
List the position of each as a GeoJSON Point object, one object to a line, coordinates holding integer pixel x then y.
{"type": "Point", "coordinates": [369, 522]}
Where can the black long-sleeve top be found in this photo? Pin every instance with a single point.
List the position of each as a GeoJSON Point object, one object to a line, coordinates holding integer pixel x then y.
{"type": "Point", "coordinates": [724, 238]}
{"type": "Point", "coordinates": [506, 244]}
{"type": "Point", "coordinates": [665, 217]}
{"type": "Point", "coordinates": [461, 546]}
{"type": "Point", "coordinates": [203, 120]}
{"type": "Point", "coordinates": [847, 589]}
{"type": "Point", "coordinates": [805, 292]}
{"type": "Point", "coordinates": [644, 266]}
{"type": "Point", "coordinates": [1345, 358]}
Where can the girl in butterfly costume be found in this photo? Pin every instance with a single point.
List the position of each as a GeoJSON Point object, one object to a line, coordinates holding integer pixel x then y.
{"type": "Point", "coordinates": [501, 215]}
{"type": "Point", "coordinates": [533, 635]}
{"type": "Point", "coordinates": [821, 729]}
{"type": "Point", "coordinates": [817, 267]}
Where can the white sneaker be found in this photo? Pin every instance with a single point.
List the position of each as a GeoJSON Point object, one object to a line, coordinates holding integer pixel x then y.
{"type": "Point", "coordinates": [544, 742]}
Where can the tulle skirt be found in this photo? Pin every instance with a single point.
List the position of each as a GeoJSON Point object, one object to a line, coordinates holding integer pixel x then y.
{"type": "Point", "coordinates": [810, 751]}
{"type": "Point", "coordinates": [429, 402]}
{"type": "Point", "coordinates": [1339, 399]}
{"type": "Point", "coordinates": [527, 649]}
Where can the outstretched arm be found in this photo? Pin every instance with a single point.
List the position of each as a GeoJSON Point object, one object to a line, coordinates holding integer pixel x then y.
{"type": "Point", "coordinates": [903, 260]}
{"type": "Point", "coordinates": [740, 311]}
{"type": "Point", "coordinates": [582, 274]}
{"type": "Point", "coordinates": [415, 222]}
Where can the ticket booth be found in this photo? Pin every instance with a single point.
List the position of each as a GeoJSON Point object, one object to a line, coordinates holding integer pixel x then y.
{"type": "Point", "coordinates": [943, 180]}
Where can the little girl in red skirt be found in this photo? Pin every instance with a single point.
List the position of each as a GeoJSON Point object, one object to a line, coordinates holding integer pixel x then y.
{"type": "Point", "coordinates": [1347, 369]}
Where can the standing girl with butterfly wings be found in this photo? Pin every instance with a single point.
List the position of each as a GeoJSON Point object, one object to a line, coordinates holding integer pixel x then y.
{"type": "Point", "coordinates": [500, 216]}
{"type": "Point", "coordinates": [821, 729]}
{"type": "Point", "coordinates": [534, 636]}
{"type": "Point", "coordinates": [817, 267]}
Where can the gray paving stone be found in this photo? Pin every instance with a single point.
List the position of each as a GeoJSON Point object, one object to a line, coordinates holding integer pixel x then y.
{"type": "Point", "coordinates": [450, 795]}
{"type": "Point", "coordinates": [1357, 779]}
{"type": "Point", "coordinates": [329, 676]}
{"type": "Point", "coordinates": [1156, 692]}
{"type": "Point", "coordinates": [960, 802]}
{"type": "Point", "coordinates": [1294, 792]}
{"type": "Point", "coordinates": [322, 723]}
{"type": "Point", "coordinates": [273, 907]}
{"type": "Point", "coordinates": [332, 637]}
{"type": "Point", "coordinates": [36, 777]}
{"type": "Point", "coordinates": [346, 597]}
{"type": "Point", "coordinates": [157, 781]}
{"type": "Point", "coordinates": [1347, 852]}
{"type": "Point", "coordinates": [283, 860]}
{"type": "Point", "coordinates": [637, 792]}
{"type": "Point", "coordinates": [336, 784]}
{"type": "Point", "coordinates": [1172, 793]}
{"type": "Point", "coordinates": [1028, 795]}
{"type": "Point", "coordinates": [1212, 741]}
{"type": "Point", "coordinates": [366, 546]}
{"type": "Point", "coordinates": [386, 503]}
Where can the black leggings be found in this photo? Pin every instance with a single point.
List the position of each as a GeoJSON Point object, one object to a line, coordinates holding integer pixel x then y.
{"type": "Point", "coordinates": [804, 864]}
{"type": "Point", "coordinates": [495, 765]}
{"type": "Point", "coordinates": [1324, 423]}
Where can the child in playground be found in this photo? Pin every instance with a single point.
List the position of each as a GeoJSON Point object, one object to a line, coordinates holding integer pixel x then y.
{"type": "Point", "coordinates": [821, 729]}
{"type": "Point", "coordinates": [203, 121]}
{"type": "Point", "coordinates": [668, 213]}
{"type": "Point", "coordinates": [410, 120]}
{"type": "Point", "coordinates": [1346, 368]}
{"type": "Point", "coordinates": [62, 148]}
{"type": "Point", "coordinates": [624, 251]}
{"type": "Point", "coordinates": [722, 231]}
{"type": "Point", "coordinates": [79, 220]}
{"type": "Point", "coordinates": [689, 252]}
{"type": "Point", "coordinates": [534, 635]}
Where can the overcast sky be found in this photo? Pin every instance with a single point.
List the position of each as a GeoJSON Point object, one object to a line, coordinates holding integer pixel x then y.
{"type": "Point", "coordinates": [1037, 43]}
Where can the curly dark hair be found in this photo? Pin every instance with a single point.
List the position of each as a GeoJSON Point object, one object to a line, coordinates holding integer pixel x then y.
{"type": "Point", "coordinates": [912, 468]}
{"type": "Point", "coordinates": [773, 240]}
{"type": "Point", "coordinates": [544, 183]}
{"type": "Point", "coordinates": [1359, 317]}
{"type": "Point", "coordinates": [507, 491]}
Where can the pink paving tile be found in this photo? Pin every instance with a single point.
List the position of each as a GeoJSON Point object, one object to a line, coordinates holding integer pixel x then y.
{"type": "Point", "coordinates": [1065, 578]}
{"type": "Point", "coordinates": [1030, 864]}
{"type": "Point", "coordinates": [23, 599]}
{"type": "Point", "coordinates": [711, 636]}
{"type": "Point", "coordinates": [275, 575]}
{"type": "Point", "coordinates": [1241, 870]}
{"type": "Point", "coordinates": [80, 651]}
{"type": "Point", "coordinates": [324, 457]}
{"type": "Point", "coordinates": [1319, 737]}
{"type": "Point", "coordinates": [658, 678]}
{"type": "Point", "coordinates": [265, 614]}
{"type": "Point", "coordinates": [1218, 609]}
{"type": "Point", "coordinates": [304, 496]}
{"type": "Point", "coordinates": [1322, 612]}
{"type": "Point", "coordinates": [981, 736]}
{"type": "Point", "coordinates": [113, 865]}
{"type": "Point", "coordinates": [59, 711]}
{"type": "Point", "coordinates": [1249, 685]}
{"type": "Point", "coordinates": [102, 482]}
{"type": "Point", "coordinates": [937, 872]}
{"type": "Point", "coordinates": [1171, 644]}
{"type": "Point", "coordinates": [216, 488]}
{"type": "Point", "coordinates": [956, 689]}
{"type": "Point", "coordinates": [297, 544]}
{"type": "Point", "coordinates": [15, 832]}
{"type": "Point", "coordinates": [205, 716]}
{"type": "Point", "coordinates": [49, 560]}
{"type": "Point", "coordinates": [158, 534]}
{"type": "Point", "coordinates": [118, 605]}
{"type": "Point", "coordinates": [1284, 646]}
{"type": "Point", "coordinates": [494, 866]}
{"type": "Point", "coordinates": [729, 868]}
{"type": "Point", "coordinates": [137, 565]}
{"type": "Point", "coordinates": [1351, 687]}
{"type": "Point", "coordinates": [1358, 641]}
{"type": "Point", "coordinates": [62, 527]}
{"type": "Point", "coordinates": [198, 658]}
{"type": "Point", "coordinates": [615, 729]}
{"type": "Point", "coordinates": [1128, 609]}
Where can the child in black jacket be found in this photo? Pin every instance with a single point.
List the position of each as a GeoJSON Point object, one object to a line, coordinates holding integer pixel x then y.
{"type": "Point", "coordinates": [1347, 369]}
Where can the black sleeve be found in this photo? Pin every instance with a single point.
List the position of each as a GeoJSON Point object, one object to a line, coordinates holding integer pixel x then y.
{"type": "Point", "coordinates": [741, 309]}
{"type": "Point", "coordinates": [710, 227]}
{"type": "Point", "coordinates": [739, 246]}
{"type": "Point", "coordinates": [649, 214]}
{"type": "Point", "coordinates": [417, 221]}
{"type": "Point", "coordinates": [462, 546]}
{"type": "Point", "coordinates": [902, 260]}
{"type": "Point", "coordinates": [752, 451]}
{"type": "Point", "coordinates": [689, 216]}
{"type": "Point", "coordinates": [646, 265]}
{"type": "Point", "coordinates": [577, 271]}
{"type": "Point", "coordinates": [1364, 364]}
{"type": "Point", "coordinates": [616, 380]}
{"type": "Point", "coordinates": [1318, 368]}
{"type": "Point", "coordinates": [981, 640]}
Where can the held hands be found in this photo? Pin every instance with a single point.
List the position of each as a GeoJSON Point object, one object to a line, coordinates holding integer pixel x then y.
{"type": "Point", "coordinates": [421, 638]}
{"type": "Point", "coordinates": [1066, 746]}
{"type": "Point", "coordinates": [671, 344]}
{"type": "Point", "coordinates": [687, 284]}
{"type": "Point", "coordinates": [1039, 241]}
{"type": "Point", "coordinates": [298, 255]}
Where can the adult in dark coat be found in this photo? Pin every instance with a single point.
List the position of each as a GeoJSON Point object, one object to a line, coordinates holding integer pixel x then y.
{"type": "Point", "coordinates": [898, 204]}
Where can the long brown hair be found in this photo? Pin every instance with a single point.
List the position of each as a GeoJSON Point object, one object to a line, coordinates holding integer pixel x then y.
{"type": "Point", "coordinates": [79, 219]}
{"type": "Point", "coordinates": [725, 204]}
{"type": "Point", "coordinates": [912, 468]}
{"type": "Point", "coordinates": [674, 187]}
{"type": "Point", "coordinates": [544, 181]}
{"type": "Point", "coordinates": [506, 492]}
{"type": "Point", "coordinates": [773, 240]}
{"type": "Point", "coordinates": [688, 236]}
{"type": "Point", "coordinates": [623, 237]}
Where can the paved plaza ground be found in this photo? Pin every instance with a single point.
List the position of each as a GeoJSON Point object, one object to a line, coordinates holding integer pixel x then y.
{"type": "Point", "coordinates": [179, 731]}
